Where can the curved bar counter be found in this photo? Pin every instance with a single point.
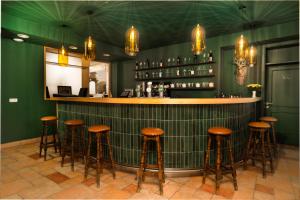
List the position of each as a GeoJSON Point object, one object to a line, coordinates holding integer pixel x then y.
{"type": "Point", "coordinates": [185, 122]}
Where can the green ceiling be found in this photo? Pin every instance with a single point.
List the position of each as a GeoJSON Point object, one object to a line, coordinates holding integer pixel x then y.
{"type": "Point", "coordinates": [159, 23]}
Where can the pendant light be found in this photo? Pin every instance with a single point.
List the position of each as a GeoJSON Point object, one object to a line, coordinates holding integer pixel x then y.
{"type": "Point", "coordinates": [241, 51]}
{"type": "Point", "coordinates": [132, 41]}
{"type": "Point", "coordinates": [89, 43]}
{"type": "Point", "coordinates": [198, 39]}
{"type": "Point", "coordinates": [63, 59]}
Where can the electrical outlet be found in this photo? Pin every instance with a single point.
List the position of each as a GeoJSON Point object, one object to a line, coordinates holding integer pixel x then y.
{"type": "Point", "coordinates": [13, 100]}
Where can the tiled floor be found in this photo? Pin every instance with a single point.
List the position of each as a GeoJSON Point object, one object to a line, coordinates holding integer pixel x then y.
{"type": "Point", "coordinates": [25, 175]}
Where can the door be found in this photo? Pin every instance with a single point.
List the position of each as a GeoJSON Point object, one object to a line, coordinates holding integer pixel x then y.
{"type": "Point", "coordinates": [282, 91]}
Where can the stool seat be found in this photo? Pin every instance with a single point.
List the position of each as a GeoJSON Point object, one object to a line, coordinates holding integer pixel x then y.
{"type": "Point", "coordinates": [259, 125]}
{"type": "Point", "coordinates": [152, 131]}
{"type": "Point", "coordinates": [98, 128]}
{"type": "Point", "coordinates": [219, 131]}
{"type": "Point", "coordinates": [268, 119]}
{"type": "Point", "coordinates": [48, 118]}
{"type": "Point", "coordinates": [74, 122]}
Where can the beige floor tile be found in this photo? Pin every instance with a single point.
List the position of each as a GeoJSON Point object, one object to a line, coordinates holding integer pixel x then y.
{"type": "Point", "coordinates": [170, 189]}
{"type": "Point", "coordinates": [13, 187]}
{"type": "Point", "coordinates": [39, 192]}
{"type": "Point", "coordinates": [76, 192]}
{"type": "Point", "coordinates": [14, 196]}
{"type": "Point", "coordinates": [202, 195]}
{"type": "Point", "coordinates": [243, 193]}
{"type": "Point", "coordinates": [263, 196]}
{"type": "Point", "coordinates": [184, 192]}
{"type": "Point", "coordinates": [282, 195]}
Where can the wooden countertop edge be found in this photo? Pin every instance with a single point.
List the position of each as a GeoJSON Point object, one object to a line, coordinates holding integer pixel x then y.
{"type": "Point", "coordinates": [186, 101]}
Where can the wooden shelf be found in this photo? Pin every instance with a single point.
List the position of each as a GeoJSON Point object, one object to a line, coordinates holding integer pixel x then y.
{"type": "Point", "coordinates": [283, 63]}
{"type": "Point", "coordinates": [175, 77]}
{"type": "Point", "coordinates": [193, 88]}
{"type": "Point", "coordinates": [174, 66]}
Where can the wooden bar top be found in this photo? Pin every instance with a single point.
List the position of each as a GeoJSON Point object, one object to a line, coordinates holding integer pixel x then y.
{"type": "Point", "coordinates": [183, 101]}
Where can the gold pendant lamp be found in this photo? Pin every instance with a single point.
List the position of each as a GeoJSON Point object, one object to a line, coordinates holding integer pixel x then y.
{"type": "Point", "coordinates": [252, 56]}
{"type": "Point", "coordinates": [63, 58]}
{"type": "Point", "coordinates": [132, 41]}
{"type": "Point", "coordinates": [241, 49]}
{"type": "Point", "coordinates": [198, 39]}
{"type": "Point", "coordinates": [89, 48]}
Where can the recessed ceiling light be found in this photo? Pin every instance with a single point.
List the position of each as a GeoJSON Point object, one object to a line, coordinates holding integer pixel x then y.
{"type": "Point", "coordinates": [106, 54]}
{"type": "Point", "coordinates": [18, 40]}
{"type": "Point", "coordinates": [24, 36]}
{"type": "Point", "coordinates": [73, 47]}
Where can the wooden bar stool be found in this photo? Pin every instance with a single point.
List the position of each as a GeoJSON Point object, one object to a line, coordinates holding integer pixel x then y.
{"type": "Point", "coordinates": [259, 132]}
{"type": "Point", "coordinates": [72, 128]}
{"type": "Point", "coordinates": [154, 135]}
{"type": "Point", "coordinates": [220, 133]}
{"type": "Point", "coordinates": [98, 131]}
{"type": "Point", "coordinates": [49, 121]}
{"type": "Point", "coordinates": [272, 121]}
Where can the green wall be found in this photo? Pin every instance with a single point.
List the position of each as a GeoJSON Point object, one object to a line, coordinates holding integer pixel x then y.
{"type": "Point", "coordinates": [22, 77]}
{"type": "Point", "coordinates": [225, 73]}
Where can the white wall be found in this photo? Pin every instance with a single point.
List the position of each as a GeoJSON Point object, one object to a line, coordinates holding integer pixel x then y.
{"type": "Point", "coordinates": [63, 75]}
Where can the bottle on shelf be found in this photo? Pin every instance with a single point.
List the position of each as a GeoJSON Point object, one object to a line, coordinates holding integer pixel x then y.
{"type": "Point", "coordinates": [192, 71]}
{"type": "Point", "coordinates": [210, 70]}
{"type": "Point", "coordinates": [148, 63]}
{"type": "Point", "coordinates": [136, 65]}
{"type": "Point", "coordinates": [141, 65]}
{"type": "Point", "coordinates": [177, 72]}
{"type": "Point", "coordinates": [178, 60]}
{"type": "Point", "coordinates": [153, 64]}
{"type": "Point", "coordinates": [195, 59]}
{"type": "Point", "coordinates": [160, 74]}
{"type": "Point", "coordinates": [136, 75]}
{"type": "Point", "coordinates": [173, 61]}
{"type": "Point", "coordinates": [161, 63]}
{"type": "Point", "coordinates": [147, 75]}
{"type": "Point", "coordinates": [210, 56]}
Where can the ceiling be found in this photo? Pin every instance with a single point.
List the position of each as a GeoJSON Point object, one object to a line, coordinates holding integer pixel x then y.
{"type": "Point", "coordinates": [159, 23]}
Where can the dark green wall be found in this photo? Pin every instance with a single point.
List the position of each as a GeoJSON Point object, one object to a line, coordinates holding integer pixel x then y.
{"type": "Point", "coordinates": [225, 72]}
{"type": "Point", "coordinates": [22, 77]}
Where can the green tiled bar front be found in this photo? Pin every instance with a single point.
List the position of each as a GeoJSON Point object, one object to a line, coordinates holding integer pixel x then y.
{"type": "Point", "coordinates": [185, 126]}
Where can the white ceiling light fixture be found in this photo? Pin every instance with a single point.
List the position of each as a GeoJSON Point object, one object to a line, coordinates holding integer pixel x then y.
{"type": "Point", "coordinates": [18, 40]}
{"type": "Point", "coordinates": [73, 47]}
{"type": "Point", "coordinates": [24, 36]}
{"type": "Point", "coordinates": [106, 54]}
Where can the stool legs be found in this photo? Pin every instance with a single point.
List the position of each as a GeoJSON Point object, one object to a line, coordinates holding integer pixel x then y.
{"type": "Point", "coordinates": [142, 164]}
{"type": "Point", "coordinates": [206, 162]}
{"type": "Point", "coordinates": [63, 153]}
{"type": "Point", "coordinates": [229, 145]}
{"type": "Point", "coordinates": [87, 159]}
{"type": "Point", "coordinates": [42, 139]}
{"type": "Point", "coordinates": [270, 151]}
{"type": "Point", "coordinates": [111, 156]}
{"type": "Point", "coordinates": [72, 148]}
{"type": "Point", "coordinates": [218, 163]}
{"type": "Point", "coordinates": [98, 159]}
{"type": "Point", "coordinates": [274, 140]}
{"type": "Point", "coordinates": [159, 161]}
{"type": "Point", "coordinates": [250, 140]}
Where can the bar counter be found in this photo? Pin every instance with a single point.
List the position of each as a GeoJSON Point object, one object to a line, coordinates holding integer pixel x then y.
{"type": "Point", "coordinates": [185, 122]}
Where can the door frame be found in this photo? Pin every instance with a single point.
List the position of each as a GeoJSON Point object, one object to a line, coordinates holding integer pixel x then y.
{"type": "Point", "coordinates": [265, 47]}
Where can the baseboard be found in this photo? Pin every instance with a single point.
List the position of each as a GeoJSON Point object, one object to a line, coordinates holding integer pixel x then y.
{"type": "Point", "coordinates": [20, 142]}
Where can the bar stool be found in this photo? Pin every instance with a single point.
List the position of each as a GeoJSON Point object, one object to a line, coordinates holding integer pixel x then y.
{"type": "Point", "coordinates": [154, 135]}
{"type": "Point", "coordinates": [73, 127]}
{"type": "Point", "coordinates": [220, 133]}
{"type": "Point", "coordinates": [259, 132]}
{"type": "Point", "coordinates": [49, 121]}
{"type": "Point", "coordinates": [98, 131]}
{"type": "Point", "coordinates": [271, 121]}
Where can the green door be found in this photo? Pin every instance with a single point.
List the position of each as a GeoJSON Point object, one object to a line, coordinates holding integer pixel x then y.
{"type": "Point", "coordinates": [282, 96]}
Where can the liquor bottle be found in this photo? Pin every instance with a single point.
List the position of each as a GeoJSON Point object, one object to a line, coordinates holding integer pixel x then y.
{"type": "Point", "coordinates": [210, 70]}
{"type": "Point", "coordinates": [161, 63]}
{"type": "Point", "coordinates": [148, 63]}
{"type": "Point", "coordinates": [141, 65]}
{"type": "Point", "coordinates": [192, 72]}
{"type": "Point", "coordinates": [178, 60]}
{"type": "Point", "coordinates": [195, 59]}
{"type": "Point", "coordinates": [210, 56]}
{"type": "Point", "coordinates": [147, 75]}
{"type": "Point", "coordinates": [177, 72]}
{"type": "Point", "coordinates": [136, 75]}
{"type": "Point", "coordinates": [160, 74]}
{"type": "Point", "coordinates": [136, 65]}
